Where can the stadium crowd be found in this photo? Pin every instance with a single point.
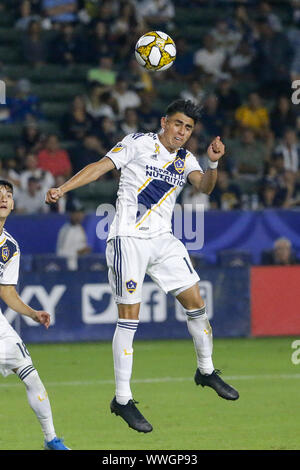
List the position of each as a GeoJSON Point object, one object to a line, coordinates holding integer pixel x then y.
{"type": "Point", "coordinates": [242, 74]}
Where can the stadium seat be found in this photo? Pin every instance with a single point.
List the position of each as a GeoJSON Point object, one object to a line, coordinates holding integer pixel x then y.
{"type": "Point", "coordinates": [49, 263]}
{"type": "Point", "coordinates": [92, 262]}
{"type": "Point", "coordinates": [234, 258]}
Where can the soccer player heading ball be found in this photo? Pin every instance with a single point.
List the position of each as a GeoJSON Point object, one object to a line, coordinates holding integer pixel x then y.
{"type": "Point", "coordinates": [154, 168]}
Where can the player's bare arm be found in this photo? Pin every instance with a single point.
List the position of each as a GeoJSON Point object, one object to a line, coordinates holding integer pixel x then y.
{"type": "Point", "coordinates": [89, 173]}
{"type": "Point", "coordinates": [12, 299]}
{"type": "Point", "coordinates": [206, 182]}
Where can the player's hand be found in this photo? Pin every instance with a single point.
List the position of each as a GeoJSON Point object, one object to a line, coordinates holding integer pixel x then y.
{"type": "Point", "coordinates": [216, 149]}
{"type": "Point", "coordinates": [42, 317]}
{"type": "Point", "coordinates": [53, 195]}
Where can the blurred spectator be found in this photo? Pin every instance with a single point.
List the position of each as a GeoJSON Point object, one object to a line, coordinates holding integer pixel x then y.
{"type": "Point", "coordinates": [126, 22]}
{"type": "Point", "coordinates": [226, 194]}
{"type": "Point", "coordinates": [194, 91]}
{"type": "Point", "coordinates": [104, 73]}
{"type": "Point", "coordinates": [26, 16]}
{"type": "Point", "coordinates": [212, 116]}
{"type": "Point", "coordinates": [273, 190]}
{"type": "Point", "coordinates": [149, 118]}
{"type": "Point", "coordinates": [54, 159]}
{"type": "Point", "coordinates": [265, 10]}
{"type": "Point", "coordinates": [104, 10]}
{"type": "Point", "coordinates": [11, 171]}
{"type": "Point", "coordinates": [125, 97]}
{"type": "Point", "coordinates": [24, 104]}
{"type": "Point", "coordinates": [32, 199]}
{"type": "Point", "coordinates": [98, 43]}
{"type": "Point", "coordinates": [184, 64]}
{"type": "Point", "coordinates": [158, 14]}
{"type": "Point", "coordinates": [31, 137]}
{"type": "Point", "coordinates": [242, 22]}
{"type": "Point", "coordinates": [282, 116]}
{"type": "Point", "coordinates": [281, 255]}
{"type": "Point", "coordinates": [253, 114]}
{"type": "Point", "coordinates": [99, 102]}
{"type": "Point", "coordinates": [226, 39]}
{"type": "Point", "coordinates": [60, 11]}
{"type": "Point", "coordinates": [44, 178]}
{"type": "Point", "coordinates": [106, 131]}
{"type": "Point", "coordinates": [240, 63]}
{"type": "Point", "coordinates": [289, 148]}
{"type": "Point", "coordinates": [228, 97]}
{"type": "Point", "coordinates": [293, 35]}
{"type": "Point", "coordinates": [72, 239]}
{"type": "Point", "coordinates": [209, 59]}
{"type": "Point", "coordinates": [67, 48]}
{"type": "Point", "coordinates": [138, 78]}
{"type": "Point", "coordinates": [249, 156]}
{"type": "Point", "coordinates": [274, 56]}
{"type": "Point", "coordinates": [130, 122]}
{"type": "Point", "coordinates": [87, 151]}
{"type": "Point", "coordinates": [76, 123]}
{"type": "Point", "coordinates": [34, 45]}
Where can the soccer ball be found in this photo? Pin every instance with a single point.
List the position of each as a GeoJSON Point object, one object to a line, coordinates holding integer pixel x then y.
{"type": "Point", "coordinates": [155, 51]}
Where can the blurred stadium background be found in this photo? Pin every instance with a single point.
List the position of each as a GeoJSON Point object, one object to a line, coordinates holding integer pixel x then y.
{"type": "Point", "coordinates": [73, 89]}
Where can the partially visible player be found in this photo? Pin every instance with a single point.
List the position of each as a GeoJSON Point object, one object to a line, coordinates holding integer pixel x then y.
{"type": "Point", "coordinates": [154, 169]}
{"type": "Point", "coordinates": [14, 356]}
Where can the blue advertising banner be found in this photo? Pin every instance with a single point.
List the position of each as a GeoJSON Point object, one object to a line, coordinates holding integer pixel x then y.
{"type": "Point", "coordinates": [82, 307]}
{"type": "Point", "coordinates": [208, 233]}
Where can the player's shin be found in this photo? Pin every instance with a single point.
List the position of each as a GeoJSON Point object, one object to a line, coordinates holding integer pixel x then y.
{"type": "Point", "coordinates": [123, 358]}
{"type": "Point", "coordinates": [201, 332]}
{"type": "Point", "coordinates": [38, 399]}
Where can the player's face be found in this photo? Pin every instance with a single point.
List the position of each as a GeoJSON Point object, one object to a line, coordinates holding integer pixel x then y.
{"type": "Point", "coordinates": [6, 201]}
{"type": "Point", "coordinates": [177, 130]}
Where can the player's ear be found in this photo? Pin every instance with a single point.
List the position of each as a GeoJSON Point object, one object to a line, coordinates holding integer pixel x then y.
{"type": "Point", "coordinates": [163, 122]}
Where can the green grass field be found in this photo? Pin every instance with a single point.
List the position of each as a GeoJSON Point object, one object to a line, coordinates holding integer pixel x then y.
{"type": "Point", "coordinates": [80, 382]}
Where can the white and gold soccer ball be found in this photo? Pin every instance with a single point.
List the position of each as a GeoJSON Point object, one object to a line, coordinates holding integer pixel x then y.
{"type": "Point", "coordinates": [155, 51]}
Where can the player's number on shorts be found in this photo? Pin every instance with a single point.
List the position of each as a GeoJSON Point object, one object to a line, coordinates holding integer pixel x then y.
{"type": "Point", "coordinates": [23, 349]}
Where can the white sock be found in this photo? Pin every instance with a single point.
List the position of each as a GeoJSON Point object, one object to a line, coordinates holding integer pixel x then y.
{"type": "Point", "coordinates": [123, 358]}
{"type": "Point", "coordinates": [38, 400]}
{"type": "Point", "coordinates": [201, 332]}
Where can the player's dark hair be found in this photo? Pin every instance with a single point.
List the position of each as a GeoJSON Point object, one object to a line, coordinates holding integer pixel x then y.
{"type": "Point", "coordinates": [7, 184]}
{"type": "Point", "coordinates": [186, 107]}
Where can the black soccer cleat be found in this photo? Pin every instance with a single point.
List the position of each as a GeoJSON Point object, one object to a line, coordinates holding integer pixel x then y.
{"type": "Point", "coordinates": [214, 381]}
{"type": "Point", "coordinates": [131, 415]}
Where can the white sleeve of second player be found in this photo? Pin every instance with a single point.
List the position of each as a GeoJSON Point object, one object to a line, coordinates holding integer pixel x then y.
{"type": "Point", "coordinates": [123, 152]}
{"type": "Point", "coordinates": [191, 164]}
{"type": "Point", "coordinates": [10, 274]}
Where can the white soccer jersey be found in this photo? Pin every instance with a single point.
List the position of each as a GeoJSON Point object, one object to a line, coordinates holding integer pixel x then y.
{"type": "Point", "coordinates": [151, 180]}
{"type": "Point", "coordinates": [9, 267]}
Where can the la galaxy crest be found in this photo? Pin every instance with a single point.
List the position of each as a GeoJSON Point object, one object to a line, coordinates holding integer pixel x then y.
{"type": "Point", "coordinates": [5, 253]}
{"type": "Point", "coordinates": [131, 286]}
{"type": "Point", "coordinates": [179, 165]}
